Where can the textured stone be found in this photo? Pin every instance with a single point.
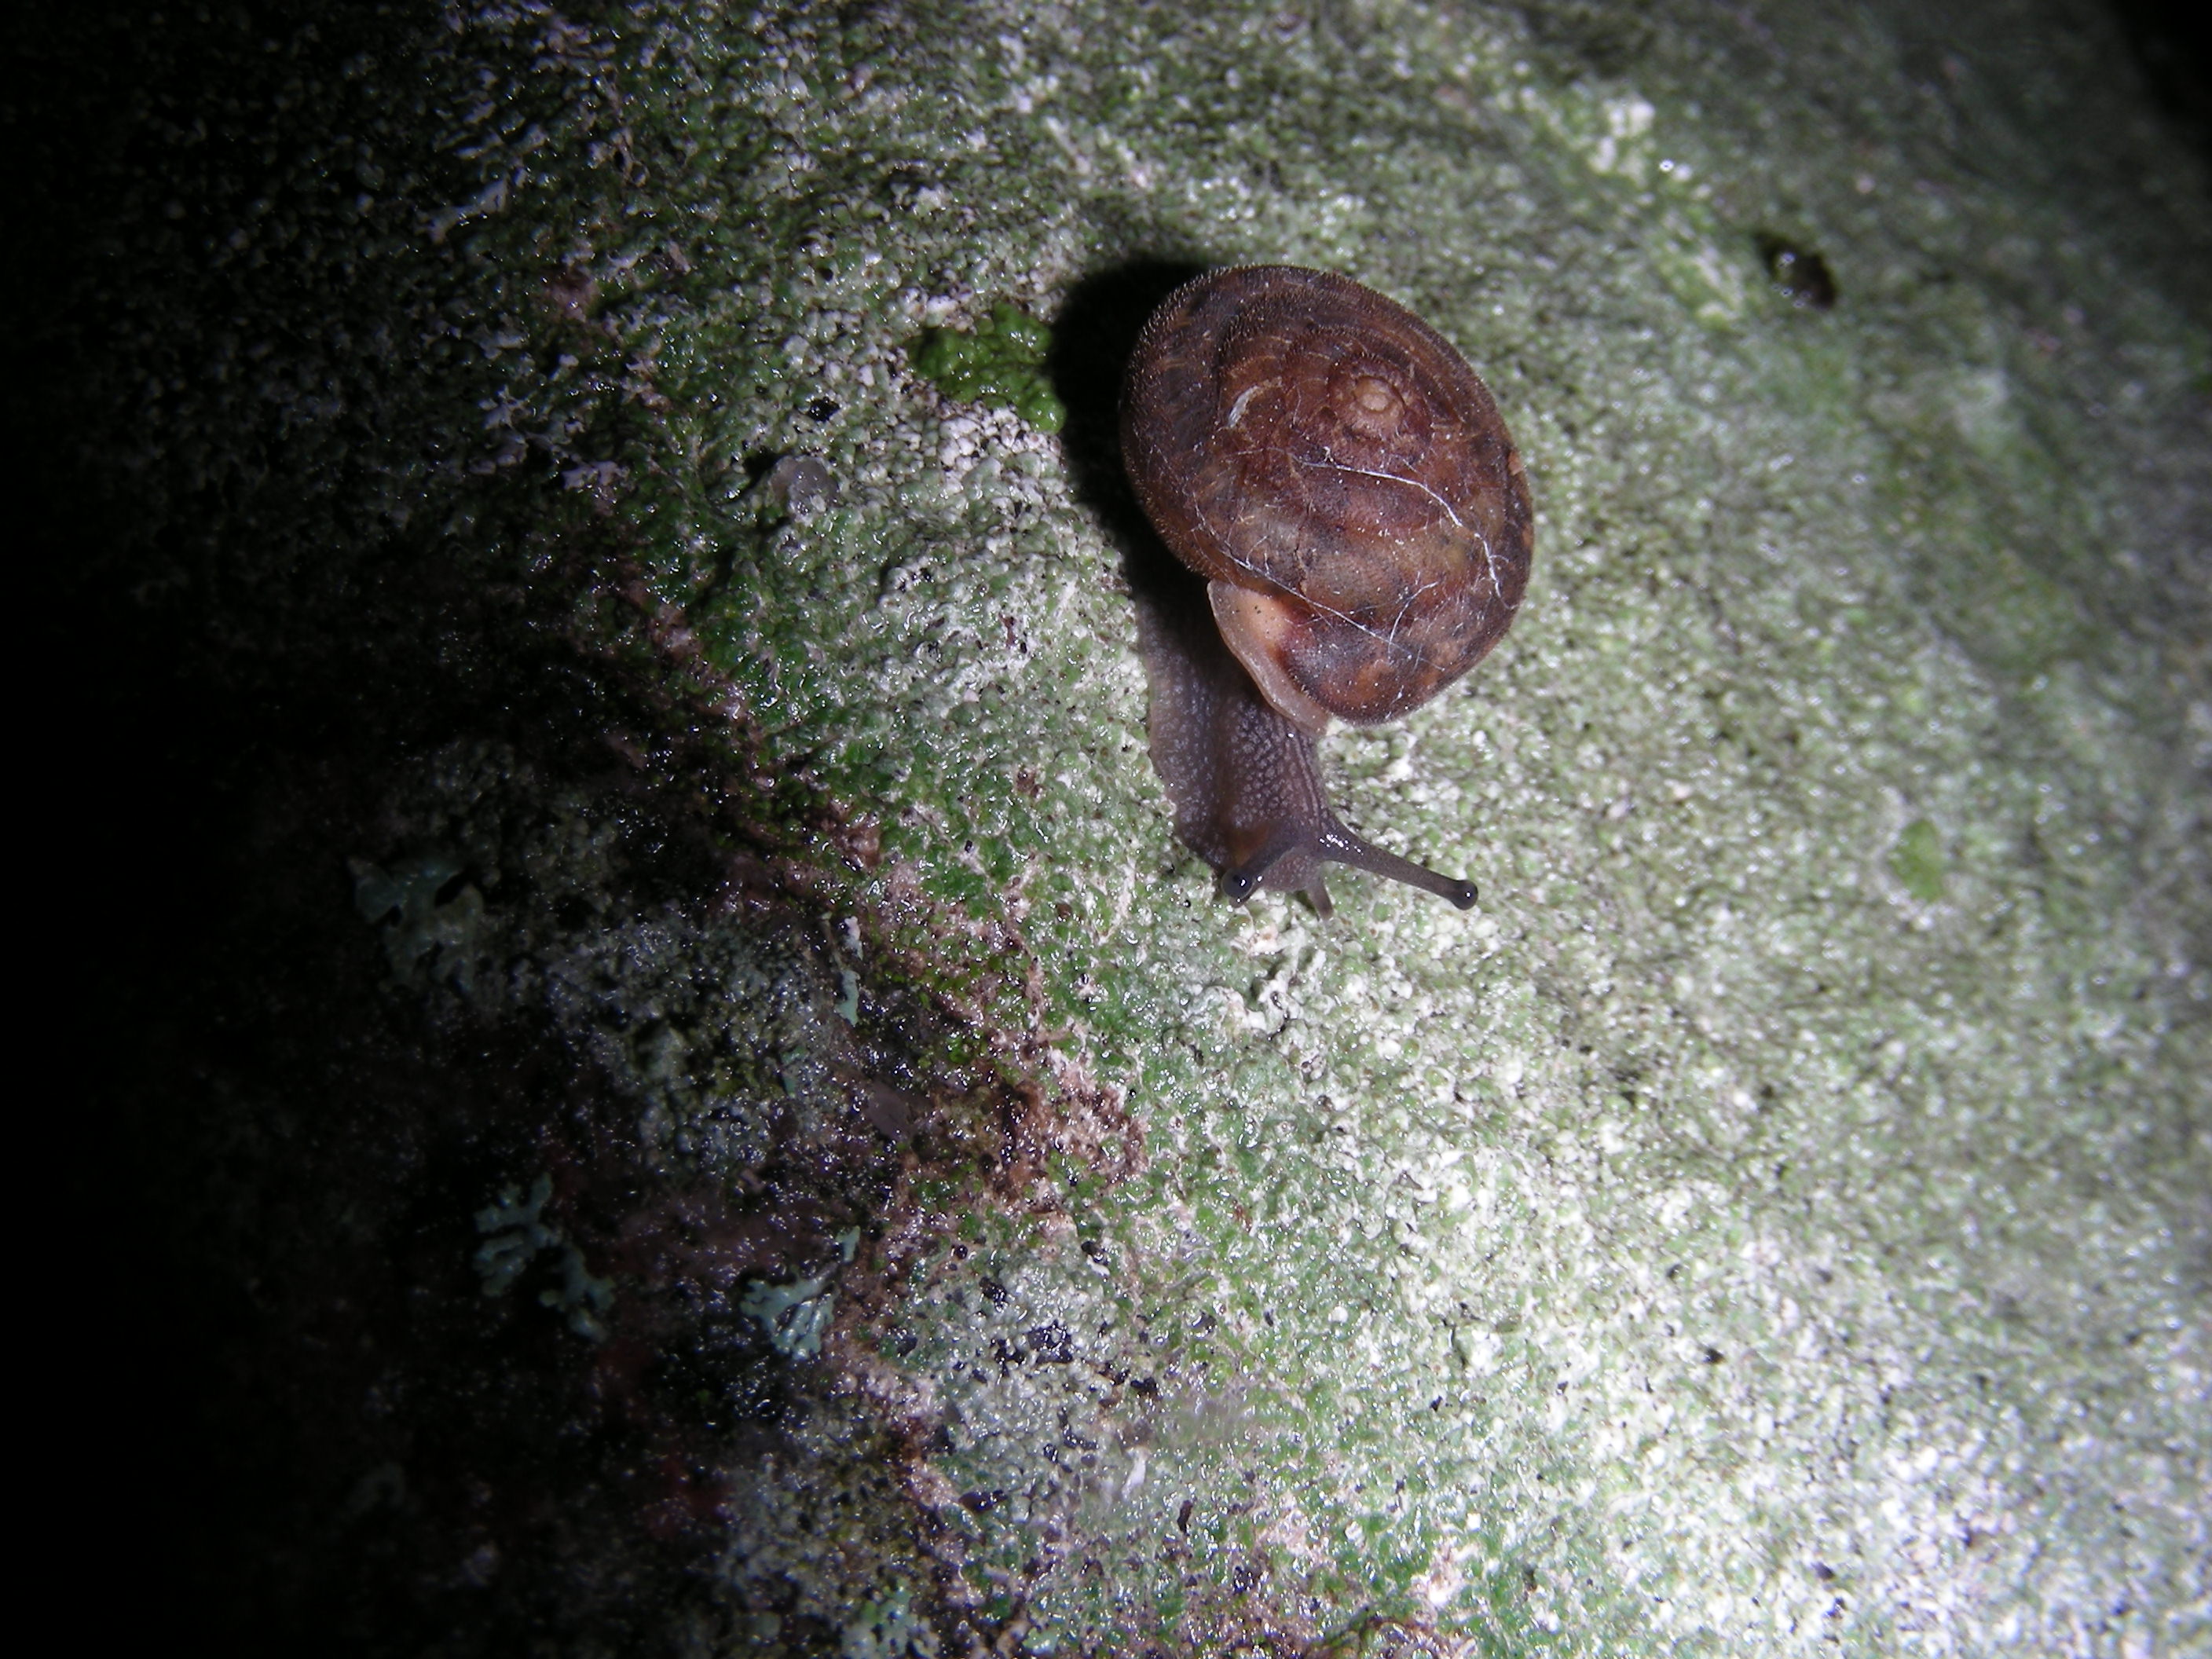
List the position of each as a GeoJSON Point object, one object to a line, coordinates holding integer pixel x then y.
{"type": "Point", "coordinates": [1776, 1219]}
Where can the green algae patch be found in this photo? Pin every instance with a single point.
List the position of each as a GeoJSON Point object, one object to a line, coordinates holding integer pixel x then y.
{"type": "Point", "coordinates": [1917, 860]}
{"type": "Point", "coordinates": [1000, 364]}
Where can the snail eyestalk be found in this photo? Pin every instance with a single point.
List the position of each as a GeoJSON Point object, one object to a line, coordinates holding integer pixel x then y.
{"type": "Point", "coordinates": [1338, 843]}
{"type": "Point", "coordinates": [1295, 857]}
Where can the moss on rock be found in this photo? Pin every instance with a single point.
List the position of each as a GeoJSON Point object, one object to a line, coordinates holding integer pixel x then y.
{"type": "Point", "coordinates": [1000, 365]}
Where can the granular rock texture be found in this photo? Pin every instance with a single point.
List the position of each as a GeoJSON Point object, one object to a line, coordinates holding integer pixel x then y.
{"type": "Point", "coordinates": [652, 1061]}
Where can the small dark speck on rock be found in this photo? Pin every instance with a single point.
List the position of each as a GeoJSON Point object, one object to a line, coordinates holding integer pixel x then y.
{"type": "Point", "coordinates": [1799, 273]}
{"type": "Point", "coordinates": [1052, 1344]}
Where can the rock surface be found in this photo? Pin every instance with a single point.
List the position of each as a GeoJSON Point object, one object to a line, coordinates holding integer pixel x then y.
{"type": "Point", "coordinates": [686, 1098]}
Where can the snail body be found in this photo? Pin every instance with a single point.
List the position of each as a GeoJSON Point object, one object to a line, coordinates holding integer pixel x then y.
{"type": "Point", "coordinates": [1341, 480]}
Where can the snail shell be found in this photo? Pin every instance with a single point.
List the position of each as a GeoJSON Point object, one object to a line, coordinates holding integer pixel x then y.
{"type": "Point", "coordinates": [1341, 479]}
{"type": "Point", "coordinates": [1340, 476]}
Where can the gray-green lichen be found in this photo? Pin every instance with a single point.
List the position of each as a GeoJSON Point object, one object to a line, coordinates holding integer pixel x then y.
{"type": "Point", "coordinates": [516, 1232]}
{"type": "Point", "coordinates": [425, 939]}
{"type": "Point", "coordinates": [794, 1316]}
{"type": "Point", "coordinates": [1776, 1221]}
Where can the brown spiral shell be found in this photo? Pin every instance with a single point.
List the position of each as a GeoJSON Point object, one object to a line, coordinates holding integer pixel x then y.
{"type": "Point", "coordinates": [1341, 477]}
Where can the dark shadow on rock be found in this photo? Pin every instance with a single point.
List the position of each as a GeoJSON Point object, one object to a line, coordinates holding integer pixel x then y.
{"type": "Point", "coordinates": [2173, 48]}
{"type": "Point", "coordinates": [1093, 338]}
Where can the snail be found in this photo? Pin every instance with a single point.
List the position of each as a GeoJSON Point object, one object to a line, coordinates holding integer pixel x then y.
{"type": "Point", "coordinates": [1341, 480]}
